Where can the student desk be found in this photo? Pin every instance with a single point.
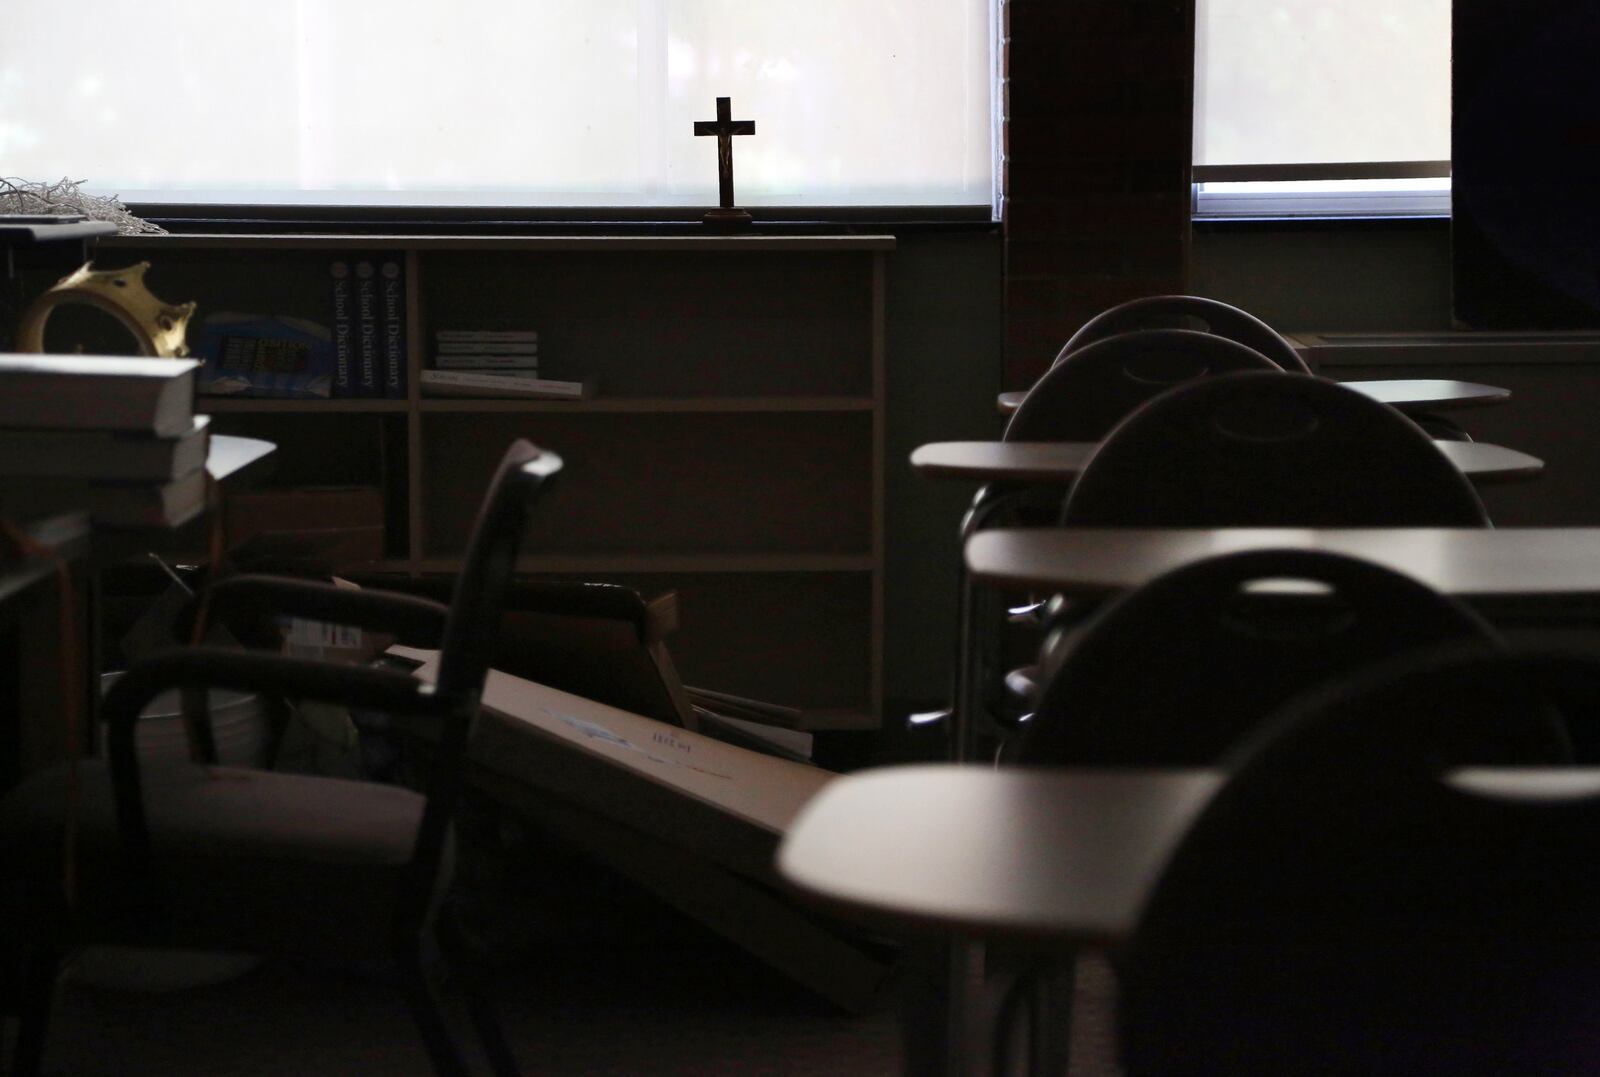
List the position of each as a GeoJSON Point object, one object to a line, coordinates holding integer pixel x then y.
{"type": "Point", "coordinates": [1553, 569]}
{"type": "Point", "coordinates": [1406, 394]}
{"type": "Point", "coordinates": [1059, 462]}
{"type": "Point", "coordinates": [1055, 860]}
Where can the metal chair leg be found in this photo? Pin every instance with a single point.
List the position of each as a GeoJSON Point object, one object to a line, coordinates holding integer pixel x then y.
{"type": "Point", "coordinates": [423, 1002]}
{"type": "Point", "coordinates": [38, 998]}
{"type": "Point", "coordinates": [479, 1007]}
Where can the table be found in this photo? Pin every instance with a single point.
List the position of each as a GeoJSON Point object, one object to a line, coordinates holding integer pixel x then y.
{"type": "Point", "coordinates": [1406, 394]}
{"type": "Point", "coordinates": [1472, 563]}
{"type": "Point", "coordinates": [1059, 462]}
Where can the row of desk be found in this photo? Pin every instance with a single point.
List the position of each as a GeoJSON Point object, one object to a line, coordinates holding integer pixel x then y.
{"type": "Point", "coordinates": [1065, 858]}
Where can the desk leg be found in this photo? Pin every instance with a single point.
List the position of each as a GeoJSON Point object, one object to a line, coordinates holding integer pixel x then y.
{"type": "Point", "coordinates": [44, 664]}
{"type": "Point", "coordinates": [940, 1030]}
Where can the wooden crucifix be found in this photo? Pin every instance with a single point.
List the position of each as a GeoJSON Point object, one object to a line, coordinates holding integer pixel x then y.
{"type": "Point", "coordinates": [725, 127]}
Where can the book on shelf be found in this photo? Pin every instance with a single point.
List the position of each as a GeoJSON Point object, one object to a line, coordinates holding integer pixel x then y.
{"type": "Point", "coordinates": [472, 384]}
{"type": "Point", "coordinates": [344, 346]}
{"type": "Point", "coordinates": [97, 392]}
{"type": "Point", "coordinates": [264, 355]}
{"type": "Point", "coordinates": [103, 454]}
{"type": "Point", "coordinates": [508, 347]}
{"type": "Point", "coordinates": [368, 382]}
{"type": "Point", "coordinates": [484, 360]}
{"type": "Point", "coordinates": [392, 304]}
{"type": "Point", "coordinates": [486, 336]}
{"type": "Point", "coordinates": [109, 504]}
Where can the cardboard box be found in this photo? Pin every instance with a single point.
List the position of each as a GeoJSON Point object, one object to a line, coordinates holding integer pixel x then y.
{"type": "Point", "coordinates": [342, 525]}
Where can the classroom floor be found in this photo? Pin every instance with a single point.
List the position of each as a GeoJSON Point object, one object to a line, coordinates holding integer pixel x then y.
{"type": "Point", "coordinates": [632, 1010]}
{"type": "Point", "coordinates": [623, 1011]}
{"type": "Point", "coordinates": [592, 977]}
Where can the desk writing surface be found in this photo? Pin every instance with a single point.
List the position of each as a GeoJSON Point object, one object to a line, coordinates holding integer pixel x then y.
{"type": "Point", "coordinates": [1059, 462]}
{"type": "Point", "coordinates": [1047, 462]}
{"type": "Point", "coordinates": [1024, 854]}
{"type": "Point", "coordinates": [230, 456]}
{"type": "Point", "coordinates": [1508, 562]}
{"type": "Point", "coordinates": [950, 848]}
{"type": "Point", "coordinates": [1407, 394]}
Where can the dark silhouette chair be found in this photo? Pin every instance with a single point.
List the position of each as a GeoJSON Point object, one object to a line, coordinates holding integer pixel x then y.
{"type": "Point", "coordinates": [1344, 906]}
{"type": "Point", "coordinates": [189, 855]}
{"type": "Point", "coordinates": [1257, 450]}
{"type": "Point", "coordinates": [1095, 386]}
{"type": "Point", "coordinates": [1188, 312]}
{"type": "Point", "coordinates": [1220, 319]}
{"type": "Point", "coordinates": [1260, 450]}
{"type": "Point", "coordinates": [1177, 672]}
{"type": "Point", "coordinates": [1081, 398]}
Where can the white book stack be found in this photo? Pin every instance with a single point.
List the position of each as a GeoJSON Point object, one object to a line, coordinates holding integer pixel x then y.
{"type": "Point", "coordinates": [495, 363]}
{"type": "Point", "coordinates": [114, 436]}
{"type": "Point", "coordinates": [513, 352]}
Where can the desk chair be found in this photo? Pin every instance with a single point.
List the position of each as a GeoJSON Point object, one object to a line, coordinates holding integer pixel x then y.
{"type": "Point", "coordinates": [1093, 387]}
{"type": "Point", "coordinates": [189, 855]}
{"type": "Point", "coordinates": [1224, 320]}
{"type": "Point", "coordinates": [1340, 908]}
{"type": "Point", "coordinates": [1188, 312]}
{"type": "Point", "coordinates": [1260, 450]}
{"type": "Point", "coordinates": [1179, 671]}
{"type": "Point", "coordinates": [1082, 398]}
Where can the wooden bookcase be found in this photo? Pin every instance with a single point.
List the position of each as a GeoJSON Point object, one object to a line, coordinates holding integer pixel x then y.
{"type": "Point", "coordinates": [733, 451]}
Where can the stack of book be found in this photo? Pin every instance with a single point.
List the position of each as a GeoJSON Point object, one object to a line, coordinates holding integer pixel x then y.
{"type": "Point", "coordinates": [493, 362]}
{"type": "Point", "coordinates": [111, 435]}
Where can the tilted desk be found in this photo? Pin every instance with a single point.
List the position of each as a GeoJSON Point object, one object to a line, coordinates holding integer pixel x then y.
{"type": "Point", "coordinates": [1059, 462]}
{"type": "Point", "coordinates": [1405, 394]}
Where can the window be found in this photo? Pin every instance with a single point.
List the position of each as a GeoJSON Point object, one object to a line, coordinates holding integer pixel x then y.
{"type": "Point", "coordinates": [1337, 106]}
{"type": "Point", "coordinates": [495, 103]}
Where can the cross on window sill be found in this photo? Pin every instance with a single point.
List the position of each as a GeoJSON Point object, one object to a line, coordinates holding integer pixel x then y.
{"type": "Point", "coordinates": [725, 127]}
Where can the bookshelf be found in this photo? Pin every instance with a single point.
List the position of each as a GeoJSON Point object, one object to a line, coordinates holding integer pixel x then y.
{"type": "Point", "coordinates": [734, 450]}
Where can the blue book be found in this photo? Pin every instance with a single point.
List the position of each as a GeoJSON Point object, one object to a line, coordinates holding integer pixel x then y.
{"type": "Point", "coordinates": [369, 356]}
{"type": "Point", "coordinates": [392, 301]}
{"type": "Point", "coordinates": [343, 330]}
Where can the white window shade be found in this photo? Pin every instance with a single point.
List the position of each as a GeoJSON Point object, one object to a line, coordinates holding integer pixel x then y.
{"type": "Point", "coordinates": [501, 102]}
{"type": "Point", "coordinates": [1318, 83]}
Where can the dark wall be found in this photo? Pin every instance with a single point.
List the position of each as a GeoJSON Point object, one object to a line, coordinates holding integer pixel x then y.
{"type": "Point", "coordinates": [1329, 276]}
{"type": "Point", "coordinates": [944, 360]}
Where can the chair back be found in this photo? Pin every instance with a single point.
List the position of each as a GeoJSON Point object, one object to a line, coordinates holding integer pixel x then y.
{"type": "Point", "coordinates": [1176, 672]}
{"type": "Point", "coordinates": [472, 629]}
{"type": "Point", "coordinates": [489, 566]}
{"type": "Point", "coordinates": [1261, 450]}
{"type": "Point", "coordinates": [1087, 392]}
{"type": "Point", "coordinates": [1189, 312]}
{"type": "Point", "coordinates": [1348, 904]}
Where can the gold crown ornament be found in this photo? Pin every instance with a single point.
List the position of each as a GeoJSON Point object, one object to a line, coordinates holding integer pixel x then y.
{"type": "Point", "coordinates": [158, 328]}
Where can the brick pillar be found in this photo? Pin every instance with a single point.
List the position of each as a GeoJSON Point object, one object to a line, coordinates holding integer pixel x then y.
{"type": "Point", "coordinates": [1095, 200]}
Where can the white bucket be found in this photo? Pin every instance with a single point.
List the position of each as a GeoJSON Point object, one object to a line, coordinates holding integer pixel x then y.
{"type": "Point", "coordinates": [242, 734]}
{"type": "Point", "coordinates": [238, 725]}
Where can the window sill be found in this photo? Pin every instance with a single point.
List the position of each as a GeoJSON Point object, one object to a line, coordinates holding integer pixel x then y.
{"type": "Point", "coordinates": [204, 220]}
